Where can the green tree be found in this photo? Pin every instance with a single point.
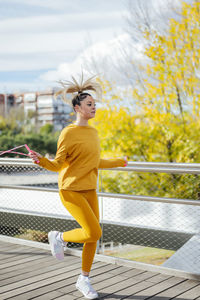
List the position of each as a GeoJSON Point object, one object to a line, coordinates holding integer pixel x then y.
{"type": "Point", "coordinates": [46, 129]}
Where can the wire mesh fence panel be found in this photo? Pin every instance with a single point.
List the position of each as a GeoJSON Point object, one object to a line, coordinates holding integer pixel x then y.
{"type": "Point", "coordinates": [25, 173]}
{"type": "Point", "coordinates": [29, 202]}
{"type": "Point", "coordinates": [146, 215]}
{"type": "Point", "coordinates": [149, 226]}
{"type": "Point", "coordinates": [184, 186]}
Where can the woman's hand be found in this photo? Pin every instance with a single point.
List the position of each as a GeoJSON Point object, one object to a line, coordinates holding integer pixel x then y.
{"type": "Point", "coordinates": [35, 156]}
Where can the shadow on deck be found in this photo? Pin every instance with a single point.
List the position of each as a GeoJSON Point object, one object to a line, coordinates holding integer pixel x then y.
{"type": "Point", "coordinates": [32, 273]}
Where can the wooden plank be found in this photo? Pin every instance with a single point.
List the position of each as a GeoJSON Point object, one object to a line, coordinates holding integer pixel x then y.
{"type": "Point", "coordinates": [133, 288]}
{"type": "Point", "coordinates": [66, 297]}
{"type": "Point", "coordinates": [8, 251]}
{"type": "Point", "coordinates": [176, 290]}
{"type": "Point", "coordinates": [132, 272]}
{"type": "Point", "coordinates": [38, 271]}
{"type": "Point", "coordinates": [157, 288]}
{"type": "Point", "coordinates": [104, 269]}
{"type": "Point", "coordinates": [40, 277]}
{"type": "Point", "coordinates": [43, 261]}
{"type": "Point", "coordinates": [33, 260]}
{"type": "Point", "coordinates": [4, 245]}
{"type": "Point", "coordinates": [102, 278]}
{"type": "Point", "coordinates": [48, 296]}
{"type": "Point", "coordinates": [47, 289]}
{"type": "Point", "coordinates": [158, 278]}
{"type": "Point", "coordinates": [33, 286]}
{"type": "Point", "coordinates": [118, 286]}
{"type": "Point", "coordinates": [11, 256]}
{"type": "Point", "coordinates": [18, 290]}
{"type": "Point", "coordinates": [65, 286]}
{"type": "Point", "coordinates": [69, 284]}
{"type": "Point", "coordinates": [121, 269]}
{"type": "Point", "coordinates": [18, 262]}
{"type": "Point", "coordinates": [34, 265]}
{"type": "Point", "coordinates": [124, 293]}
{"type": "Point", "coordinates": [191, 294]}
{"type": "Point", "coordinates": [110, 285]}
{"type": "Point", "coordinates": [26, 249]}
{"type": "Point", "coordinates": [145, 276]}
{"type": "Point", "coordinates": [12, 247]}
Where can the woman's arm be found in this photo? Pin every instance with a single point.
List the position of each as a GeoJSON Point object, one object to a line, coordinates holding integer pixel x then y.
{"type": "Point", "coordinates": [112, 163]}
{"type": "Point", "coordinates": [56, 164]}
{"type": "Point", "coordinates": [60, 158]}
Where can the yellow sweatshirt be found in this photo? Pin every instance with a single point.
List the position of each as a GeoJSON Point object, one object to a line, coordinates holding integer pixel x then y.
{"type": "Point", "coordinates": [78, 158]}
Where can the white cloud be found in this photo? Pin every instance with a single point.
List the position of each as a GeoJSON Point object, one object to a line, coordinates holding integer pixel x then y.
{"type": "Point", "coordinates": [71, 6]}
{"type": "Point", "coordinates": [60, 23]}
{"type": "Point", "coordinates": [42, 42]}
{"type": "Point", "coordinates": [46, 51]}
{"type": "Point", "coordinates": [115, 59]}
{"type": "Point", "coordinates": [54, 33]}
{"type": "Point", "coordinates": [102, 57]}
{"type": "Point", "coordinates": [38, 43]}
{"type": "Point", "coordinates": [35, 61]}
{"type": "Point", "coordinates": [55, 38]}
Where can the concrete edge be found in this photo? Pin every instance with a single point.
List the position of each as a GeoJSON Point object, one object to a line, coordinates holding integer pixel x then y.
{"type": "Point", "coordinates": [107, 259]}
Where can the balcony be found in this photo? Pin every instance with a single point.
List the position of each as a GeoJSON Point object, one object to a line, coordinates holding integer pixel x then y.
{"type": "Point", "coordinates": [30, 207]}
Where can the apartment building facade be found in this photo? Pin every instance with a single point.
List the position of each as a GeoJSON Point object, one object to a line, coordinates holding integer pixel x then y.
{"type": "Point", "coordinates": [44, 107]}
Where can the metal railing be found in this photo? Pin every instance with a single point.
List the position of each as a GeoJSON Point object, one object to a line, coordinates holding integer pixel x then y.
{"type": "Point", "coordinates": [30, 207]}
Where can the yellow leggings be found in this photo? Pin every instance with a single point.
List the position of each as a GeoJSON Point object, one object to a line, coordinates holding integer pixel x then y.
{"type": "Point", "coordinates": [83, 206]}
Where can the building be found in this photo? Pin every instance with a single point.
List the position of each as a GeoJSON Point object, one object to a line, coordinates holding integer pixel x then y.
{"type": "Point", "coordinates": [6, 102]}
{"type": "Point", "coordinates": [52, 111]}
{"type": "Point", "coordinates": [42, 107]}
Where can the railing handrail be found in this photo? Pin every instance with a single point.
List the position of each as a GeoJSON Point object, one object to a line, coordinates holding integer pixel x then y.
{"type": "Point", "coordinates": [15, 161]}
{"type": "Point", "coordinates": [158, 169]}
{"type": "Point", "coordinates": [130, 163]}
{"type": "Point", "coordinates": [164, 164]}
{"type": "Point", "coordinates": [112, 195]}
{"type": "Point", "coordinates": [134, 166]}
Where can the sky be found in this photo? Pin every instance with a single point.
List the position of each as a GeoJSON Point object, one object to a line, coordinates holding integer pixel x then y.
{"type": "Point", "coordinates": [43, 41]}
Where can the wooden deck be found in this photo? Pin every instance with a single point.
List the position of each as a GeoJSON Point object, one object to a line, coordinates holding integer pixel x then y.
{"type": "Point", "coordinates": [32, 273]}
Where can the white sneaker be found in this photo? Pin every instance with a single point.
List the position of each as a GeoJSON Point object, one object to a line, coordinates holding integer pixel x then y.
{"type": "Point", "coordinates": [57, 246]}
{"type": "Point", "coordinates": [84, 286]}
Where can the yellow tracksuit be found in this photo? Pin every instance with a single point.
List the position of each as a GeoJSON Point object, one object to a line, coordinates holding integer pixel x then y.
{"type": "Point", "coordinates": [77, 160]}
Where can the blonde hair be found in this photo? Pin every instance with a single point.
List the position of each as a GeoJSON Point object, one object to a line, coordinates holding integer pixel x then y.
{"type": "Point", "coordinates": [78, 90]}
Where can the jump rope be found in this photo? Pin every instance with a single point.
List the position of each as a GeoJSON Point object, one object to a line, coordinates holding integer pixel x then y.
{"type": "Point", "coordinates": [19, 153]}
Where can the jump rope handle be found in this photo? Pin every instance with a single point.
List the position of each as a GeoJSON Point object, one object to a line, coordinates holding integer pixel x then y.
{"type": "Point", "coordinates": [29, 150]}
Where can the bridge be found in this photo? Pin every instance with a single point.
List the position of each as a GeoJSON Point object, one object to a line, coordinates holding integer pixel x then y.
{"type": "Point", "coordinates": [29, 203]}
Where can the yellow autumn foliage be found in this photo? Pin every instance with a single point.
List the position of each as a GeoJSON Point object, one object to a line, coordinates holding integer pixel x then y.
{"type": "Point", "coordinates": [163, 123]}
{"type": "Point", "coordinates": [175, 64]}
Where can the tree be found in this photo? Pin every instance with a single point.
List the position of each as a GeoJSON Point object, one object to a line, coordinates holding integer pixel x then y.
{"type": "Point", "coordinates": [157, 137]}
{"type": "Point", "coordinates": [46, 129]}
{"type": "Point", "coordinates": [164, 124]}
{"type": "Point", "coordinates": [173, 83]}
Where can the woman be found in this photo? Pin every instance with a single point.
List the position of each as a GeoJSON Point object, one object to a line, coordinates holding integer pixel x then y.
{"type": "Point", "coordinates": [77, 161]}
